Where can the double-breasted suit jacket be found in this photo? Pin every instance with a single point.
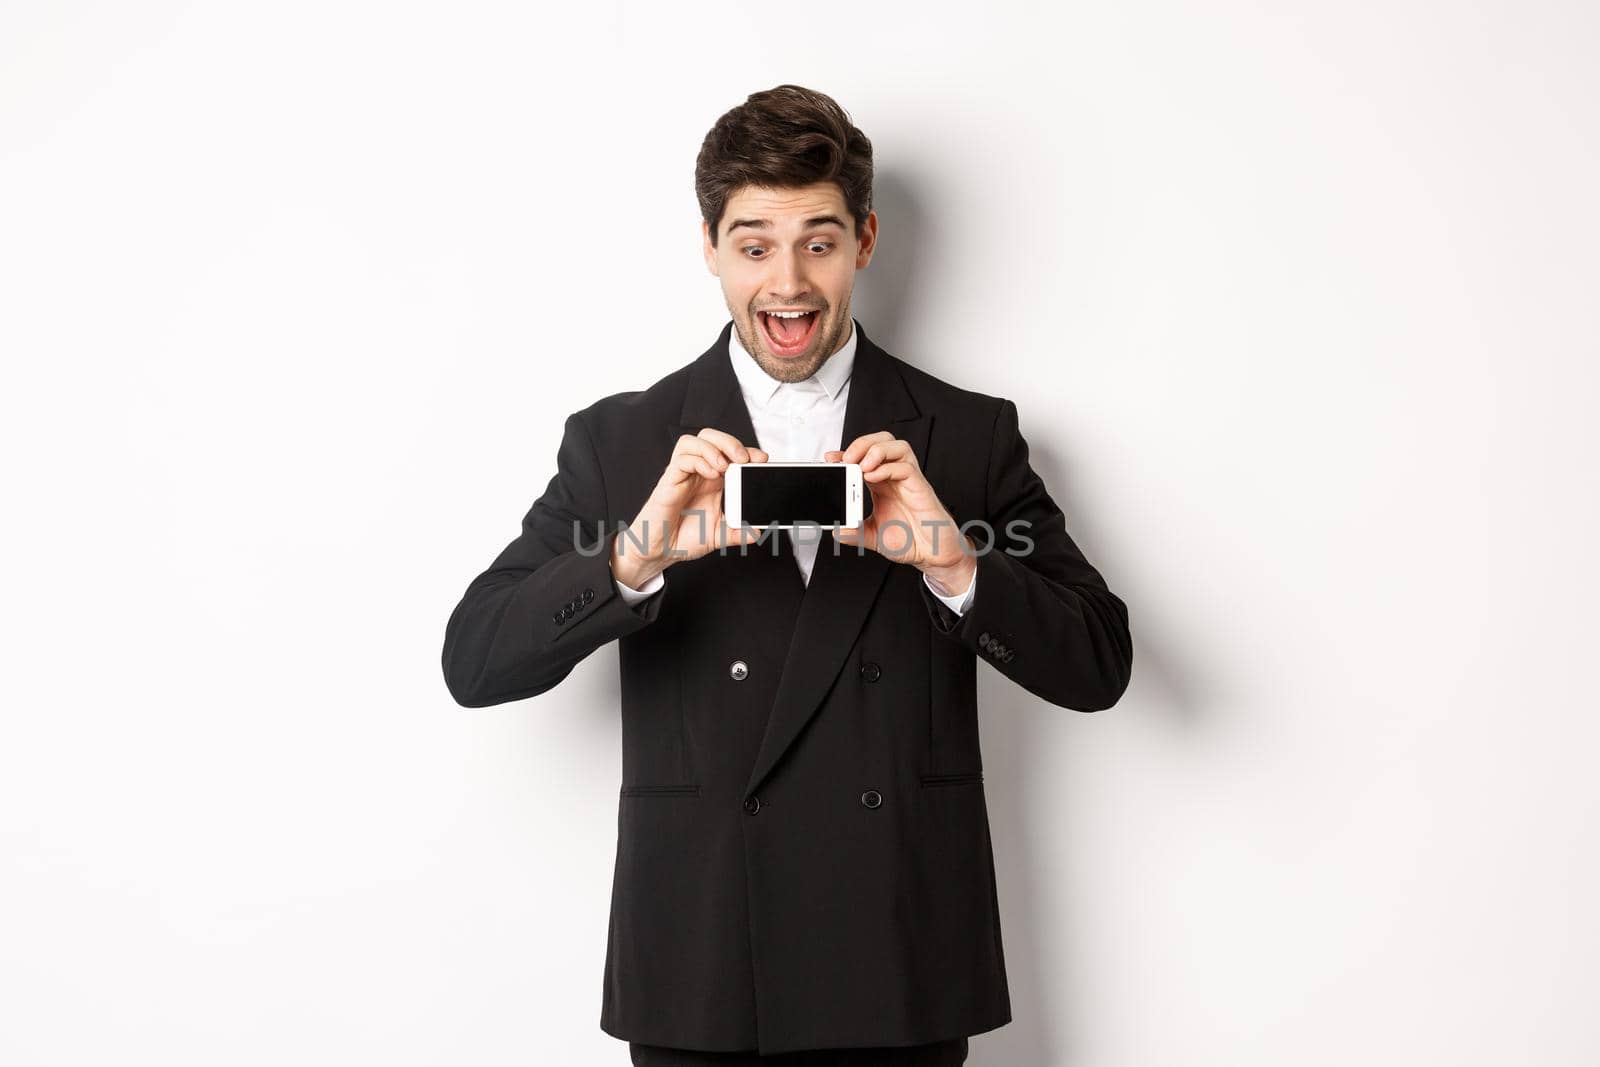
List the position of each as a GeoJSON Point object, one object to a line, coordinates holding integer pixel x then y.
{"type": "Point", "coordinates": [803, 853]}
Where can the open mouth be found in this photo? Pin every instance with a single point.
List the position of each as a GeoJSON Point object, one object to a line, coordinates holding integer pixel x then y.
{"type": "Point", "coordinates": [789, 333]}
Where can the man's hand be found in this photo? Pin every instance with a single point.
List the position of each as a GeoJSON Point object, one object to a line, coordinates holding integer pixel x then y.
{"type": "Point", "coordinates": [908, 523]}
{"type": "Point", "coordinates": [683, 518]}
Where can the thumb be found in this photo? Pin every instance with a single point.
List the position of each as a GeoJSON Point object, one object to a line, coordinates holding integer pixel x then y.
{"type": "Point", "coordinates": [738, 535]}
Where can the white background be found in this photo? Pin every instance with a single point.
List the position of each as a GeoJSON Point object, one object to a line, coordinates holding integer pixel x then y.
{"type": "Point", "coordinates": [1297, 300]}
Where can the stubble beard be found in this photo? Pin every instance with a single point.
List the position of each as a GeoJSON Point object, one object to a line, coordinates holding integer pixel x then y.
{"type": "Point", "coordinates": [836, 326]}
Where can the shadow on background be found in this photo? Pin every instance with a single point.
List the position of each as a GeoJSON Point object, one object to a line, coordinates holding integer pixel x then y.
{"type": "Point", "coordinates": [1047, 1023]}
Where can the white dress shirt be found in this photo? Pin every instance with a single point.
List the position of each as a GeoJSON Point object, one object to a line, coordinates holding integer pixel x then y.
{"type": "Point", "coordinates": [798, 421]}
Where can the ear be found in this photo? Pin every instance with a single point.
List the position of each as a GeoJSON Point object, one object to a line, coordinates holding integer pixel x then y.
{"type": "Point", "coordinates": [867, 243]}
{"type": "Point", "coordinates": [706, 249]}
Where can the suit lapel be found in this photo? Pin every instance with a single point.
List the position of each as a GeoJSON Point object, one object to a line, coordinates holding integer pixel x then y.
{"type": "Point", "coordinates": [713, 397]}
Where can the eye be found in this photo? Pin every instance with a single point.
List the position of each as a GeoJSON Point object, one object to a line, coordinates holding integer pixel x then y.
{"type": "Point", "coordinates": [747, 249]}
{"type": "Point", "coordinates": [824, 245]}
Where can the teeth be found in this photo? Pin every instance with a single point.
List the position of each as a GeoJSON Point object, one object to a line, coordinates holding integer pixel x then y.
{"type": "Point", "coordinates": [789, 314]}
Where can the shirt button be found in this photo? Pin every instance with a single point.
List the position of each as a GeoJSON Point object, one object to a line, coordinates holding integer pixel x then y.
{"type": "Point", "coordinates": [752, 805]}
{"type": "Point", "coordinates": [872, 798]}
{"type": "Point", "coordinates": [871, 672]}
{"type": "Point", "coordinates": [739, 670]}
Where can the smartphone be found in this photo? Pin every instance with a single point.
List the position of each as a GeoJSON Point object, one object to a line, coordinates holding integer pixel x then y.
{"type": "Point", "coordinates": [785, 496]}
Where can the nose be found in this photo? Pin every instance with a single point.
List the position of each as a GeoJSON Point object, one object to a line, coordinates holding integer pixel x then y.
{"type": "Point", "coordinates": [788, 283]}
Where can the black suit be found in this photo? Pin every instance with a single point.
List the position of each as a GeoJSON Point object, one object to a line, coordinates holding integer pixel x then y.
{"type": "Point", "coordinates": [803, 853]}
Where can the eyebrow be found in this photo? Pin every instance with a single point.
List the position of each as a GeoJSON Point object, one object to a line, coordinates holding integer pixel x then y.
{"type": "Point", "coordinates": [766, 224]}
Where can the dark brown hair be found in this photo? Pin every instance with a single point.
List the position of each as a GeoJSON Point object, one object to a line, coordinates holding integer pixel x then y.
{"type": "Point", "coordinates": [781, 138]}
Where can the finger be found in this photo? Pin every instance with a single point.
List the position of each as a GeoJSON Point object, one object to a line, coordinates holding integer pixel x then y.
{"type": "Point", "coordinates": [832, 457]}
{"type": "Point", "coordinates": [858, 535]}
{"type": "Point", "coordinates": [737, 535]}
{"type": "Point", "coordinates": [725, 443]}
{"type": "Point", "coordinates": [757, 456]}
{"type": "Point", "coordinates": [709, 465]}
{"type": "Point", "coordinates": [679, 469]}
{"type": "Point", "coordinates": [898, 449]}
{"type": "Point", "coordinates": [859, 446]}
{"type": "Point", "coordinates": [897, 471]}
{"type": "Point", "coordinates": [691, 464]}
{"type": "Point", "coordinates": [886, 451]}
{"type": "Point", "coordinates": [695, 446]}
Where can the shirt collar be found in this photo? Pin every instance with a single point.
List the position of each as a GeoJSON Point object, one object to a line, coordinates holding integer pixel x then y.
{"type": "Point", "coordinates": [762, 387]}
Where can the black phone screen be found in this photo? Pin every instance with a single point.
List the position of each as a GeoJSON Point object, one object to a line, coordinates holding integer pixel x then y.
{"type": "Point", "coordinates": [789, 495]}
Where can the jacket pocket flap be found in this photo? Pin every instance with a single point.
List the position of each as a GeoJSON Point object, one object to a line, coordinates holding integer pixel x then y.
{"type": "Point", "coordinates": [951, 779]}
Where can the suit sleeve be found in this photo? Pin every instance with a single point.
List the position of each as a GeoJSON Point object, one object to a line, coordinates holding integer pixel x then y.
{"type": "Point", "coordinates": [960, 603]}
{"type": "Point", "coordinates": [1046, 618]}
{"type": "Point", "coordinates": [549, 599]}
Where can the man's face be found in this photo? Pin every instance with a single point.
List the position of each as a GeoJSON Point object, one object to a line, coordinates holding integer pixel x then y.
{"type": "Point", "coordinates": [789, 250]}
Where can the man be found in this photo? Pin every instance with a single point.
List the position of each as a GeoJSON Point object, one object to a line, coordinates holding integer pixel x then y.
{"type": "Point", "coordinates": [804, 871]}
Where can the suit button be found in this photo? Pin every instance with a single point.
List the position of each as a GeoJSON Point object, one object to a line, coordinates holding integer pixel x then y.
{"type": "Point", "coordinates": [983, 639]}
{"type": "Point", "coordinates": [559, 618]}
{"type": "Point", "coordinates": [739, 672]}
{"type": "Point", "coordinates": [752, 805]}
{"type": "Point", "coordinates": [566, 611]}
{"type": "Point", "coordinates": [872, 798]}
{"type": "Point", "coordinates": [1010, 654]}
{"type": "Point", "coordinates": [588, 595]}
{"type": "Point", "coordinates": [871, 672]}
